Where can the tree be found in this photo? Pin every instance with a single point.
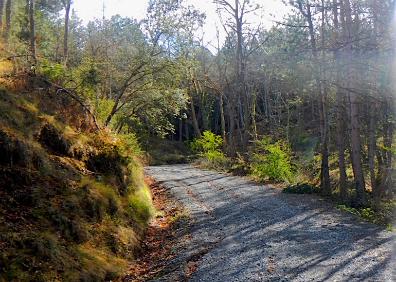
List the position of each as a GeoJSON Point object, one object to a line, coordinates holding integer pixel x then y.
{"type": "Point", "coordinates": [32, 30]}
{"type": "Point", "coordinates": [66, 5]}
{"type": "Point", "coordinates": [319, 78]}
{"type": "Point", "coordinates": [239, 102]}
{"type": "Point", "coordinates": [356, 146]}
{"type": "Point", "coordinates": [7, 19]}
{"type": "Point", "coordinates": [1, 15]}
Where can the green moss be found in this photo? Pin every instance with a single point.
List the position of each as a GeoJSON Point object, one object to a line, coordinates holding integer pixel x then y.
{"type": "Point", "coordinates": [140, 205]}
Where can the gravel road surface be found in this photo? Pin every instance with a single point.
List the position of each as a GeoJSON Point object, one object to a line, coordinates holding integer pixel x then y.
{"type": "Point", "coordinates": [242, 231]}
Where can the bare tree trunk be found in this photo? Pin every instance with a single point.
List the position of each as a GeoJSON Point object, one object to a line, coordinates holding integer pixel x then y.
{"type": "Point", "coordinates": [32, 31]}
{"type": "Point", "coordinates": [386, 177]}
{"type": "Point", "coordinates": [340, 101]}
{"type": "Point", "coordinates": [180, 129]}
{"type": "Point", "coordinates": [372, 147]}
{"type": "Point", "coordinates": [7, 19]}
{"type": "Point", "coordinates": [354, 111]}
{"type": "Point", "coordinates": [231, 130]}
{"type": "Point", "coordinates": [197, 131]}
{"type": "Point", "coordinates": [254, 124]}
{"type": "Point", "coordinates": [222, 119]}
{"type": "Point", "coordinates": [341, 144]}
{"type": "Point", "coordinates": [67, 4]}
{"type": "Point", "coordinates": [1, 15]}
{"type": "Point", "coordinates": [324, 173]}
{"type": "Point", "coordinates": [187, 130]}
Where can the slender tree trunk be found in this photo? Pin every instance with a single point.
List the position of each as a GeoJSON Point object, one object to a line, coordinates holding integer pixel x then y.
{"type": "Point", "coordinates": [231, 130]}
{"type": "Point", "coordinates": [197, 131]}
{"type": "Point", "coordinates": [7, 19]}
{"type": "Point", "coordinates": [386, 178]}
{"type": "Point", "coordinates": [1, 15]}
{"type": "Point", "coordinates": [372, 147]}
{"type": "Point", "coordinates": [67, 4]}
{"type": "Point", "coordinates": [222, 120]}
{"type": "Point", "coordinates": [187, 130]}
{"type": "Point", "coordinates": [324, 173]}
{"type": "Point", "coordinates": [32, 31]}
{"type": "Point", "coordinates": [341, 144]}
{"type": "Point", "coordinates": [354, 111]}
{"type": "Point", "coordinates": [254, 124]}
{"type": "Point", "coordinates": [340, 102]}
{"type": "Point", "coordinates": [180, 129]}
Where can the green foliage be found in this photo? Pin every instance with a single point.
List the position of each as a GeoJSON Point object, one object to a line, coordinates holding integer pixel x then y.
{"type": "Point", "coordinates": [272, 161]}
{"type": "Point", "coordinates": [380, 215]}
{"type": "Point", "coordinates": [140, 205]}
{"type": "Point", "coordinates": [208, 147]}
{"type": "Point", "coordinates": [208, 142]}
{"type": "Point", "coordinates": [83, 226]}
{"type": "Point", "coordinates": [53, 71]}
{"type": "Point", "coordinates": [303, 188]}
{"type": "Point", "coordinates": [129, 145]}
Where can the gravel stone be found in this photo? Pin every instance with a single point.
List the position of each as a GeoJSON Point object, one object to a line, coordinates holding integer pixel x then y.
{"type": "Point", "coordinates": [251, 232]}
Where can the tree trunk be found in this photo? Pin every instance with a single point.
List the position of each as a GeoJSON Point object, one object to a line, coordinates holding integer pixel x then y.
{"type": "Point", "coordinates": [1, 15]}
{"type": "Point", "coordinates": [386, 178]}
{"type": "Point", "coordinates": [372, 147]}
{"type": "Point", "coordinates": [222, 120]}
{"type": "Point", "coordinates": [341, 144]}
{"type": "Point", "coordinates": [354, 112]}
{"type": "Point", "coordinates": [254, 124]}
{"type": "Point", "coordinates": [340, 102]}
{"type": "Point", "coordinates": [67, 5]}
{"type": "Point", "coordinates": [197, 131]}
{"type": "Point", "coordinates": [324, 173]}
{"type": "Point", "coordinates": [32, 31]}
{"type": "Point", "coordinates": [180, 129]}
{"type": "Point", "coordinates": [7, 19]}
{"type": "Point", "coordinates": [187, 130]}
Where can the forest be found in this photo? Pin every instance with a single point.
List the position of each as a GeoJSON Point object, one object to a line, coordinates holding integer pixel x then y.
{"type": "Point", "coordinates": [307, 104]}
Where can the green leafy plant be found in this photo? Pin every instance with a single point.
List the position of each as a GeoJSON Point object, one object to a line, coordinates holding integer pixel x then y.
{"type": "Point", "coordinates": [271, 161]}
{"type": "Point", "coordinates": [53, 71]}
{"type": "Point", "coordinates": [208, 147]}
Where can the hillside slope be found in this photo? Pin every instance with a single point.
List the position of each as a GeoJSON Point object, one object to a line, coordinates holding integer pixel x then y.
{"type": "Point", "coordinates": [73, 203]}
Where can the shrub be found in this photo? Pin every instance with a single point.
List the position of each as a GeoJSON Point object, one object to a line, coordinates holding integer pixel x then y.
{"type": "Point", "coordinates": [208, 147]}
{"type": "Point", "coordinates": [272, 161]}
{"type": "Point", "coordinates": [208, 142]}
{"type": "Point", "coordinates": [53, 71]}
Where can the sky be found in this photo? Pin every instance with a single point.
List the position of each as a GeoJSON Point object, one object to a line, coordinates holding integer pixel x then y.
{"type": "Point", "coordinates": [90, 9]}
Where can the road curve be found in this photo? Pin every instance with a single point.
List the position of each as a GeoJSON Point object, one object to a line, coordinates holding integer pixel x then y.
{"type": "Point", "coordinates": [242, 231]}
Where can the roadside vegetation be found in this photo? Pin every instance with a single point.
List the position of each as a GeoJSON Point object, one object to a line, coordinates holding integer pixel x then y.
{"type": "Point", "coordinates": [273, 162]}
{"type": "Point", "coordinates": [307, 103]}
{"type": "Point", "coordinates": [73, 204]}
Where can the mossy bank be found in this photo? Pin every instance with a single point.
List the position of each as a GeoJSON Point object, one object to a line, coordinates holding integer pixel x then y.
{"type": "Point", "coordinates": [73, 202]}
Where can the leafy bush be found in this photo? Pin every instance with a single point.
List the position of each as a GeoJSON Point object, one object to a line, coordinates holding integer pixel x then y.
{"type": "Point", "coordinates": [272, 161]}
{"type": "Point", "coordinates": [208, 147]}
{"type": "Point", "coordinates": [378, 216]}
{"type": "Point", "coordinates": [53, 71]}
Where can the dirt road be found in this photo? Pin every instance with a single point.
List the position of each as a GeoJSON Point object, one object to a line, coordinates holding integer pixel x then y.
{"type": "Point", "coordinates": [241, 231]}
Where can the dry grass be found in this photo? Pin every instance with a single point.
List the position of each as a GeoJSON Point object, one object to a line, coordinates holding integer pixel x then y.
{"type": "Point", "coordinates": [60, 218]}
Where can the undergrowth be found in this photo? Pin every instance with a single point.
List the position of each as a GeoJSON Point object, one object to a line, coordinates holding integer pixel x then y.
{"type": "Point", "coordinates": [208, 148]}
{"type": "Point", "coordinates": [73, 203]}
